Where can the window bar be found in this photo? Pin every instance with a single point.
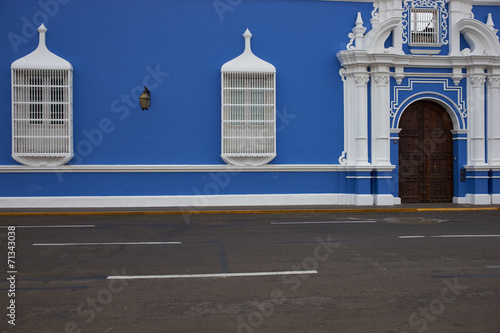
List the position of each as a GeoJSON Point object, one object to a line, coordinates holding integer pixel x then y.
{"type": "Point", "coordinates": [45, 142]}
{"type": "Point", "coordinates": [46, 115]}
{"type": "Point", "coordinates": [34, 132]}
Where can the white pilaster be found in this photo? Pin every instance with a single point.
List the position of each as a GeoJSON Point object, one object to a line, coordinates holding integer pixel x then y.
{"type": "Point", "coordinates": [476, 117]}
{"type": "Point", "coordinates": [493, 114]}
{"type": "Point", "coordinates": [458, 9]}
{"type": "Point", "coordinates": [397, 35]}
{"type": "Point", "coordinates": [349, 116]}
{"type": "Point", "coordinates": [380, 120]}
{"type": "Point", "coordinates": [361, 79]}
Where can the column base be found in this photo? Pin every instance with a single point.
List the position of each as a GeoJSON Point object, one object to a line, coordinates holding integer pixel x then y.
{"type": "Point", "coordinates": [460, 200]}
{"type": "Point", "coordinates": [495, 199]}
{"type": "Point", "coordinates": [478, 199]}
{"type": "Point", "coordinates": [384, 200]}
{"type": "Point", "coordinates": [363, 200]}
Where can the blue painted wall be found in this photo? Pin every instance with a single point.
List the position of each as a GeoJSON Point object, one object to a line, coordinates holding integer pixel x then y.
{"type": "Point", "coordinates": [199, 183]}
{"type": "Point", "coordinates": [179, 46]}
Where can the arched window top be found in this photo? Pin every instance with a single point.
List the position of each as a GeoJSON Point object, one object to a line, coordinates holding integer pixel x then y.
{"type": "Point", "coordinates": [41, 58]}
{"type": "Point", "coordinates": [247, 61]}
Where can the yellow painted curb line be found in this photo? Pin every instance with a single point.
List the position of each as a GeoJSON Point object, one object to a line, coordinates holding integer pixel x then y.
{"type": "Point", "coordinates": [282, 211]}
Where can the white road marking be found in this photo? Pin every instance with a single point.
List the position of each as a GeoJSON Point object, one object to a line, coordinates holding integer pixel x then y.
{"type": "Point", "coordinates": [463, 236]}
{"type": "Point", "coordinates": [493, 266]}
{"type": "Point", "coordinates": [53, 226]}
{"type": "Point", "coordinates": [407, 237]}
{"type": "Point", "coordinates": [113, 243]}
{"type": "Point", "coordinates": [325, 222]}
{"type": "Point", "coordinates": [217, 275]}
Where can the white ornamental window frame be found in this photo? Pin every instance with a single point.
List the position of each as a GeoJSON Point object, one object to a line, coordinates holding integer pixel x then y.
{"type": "Point", "coordinates": [441, 19]}
{"type": "Point", "coordinates": [424, 27]}
{"type": "Point", "coordinates": [42, 108]}
{"type": "Point", "coordinates": [248, 114]}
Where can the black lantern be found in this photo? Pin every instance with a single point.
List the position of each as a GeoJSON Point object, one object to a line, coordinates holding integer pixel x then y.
{"type": "Point", "coordinates": [145, 99]}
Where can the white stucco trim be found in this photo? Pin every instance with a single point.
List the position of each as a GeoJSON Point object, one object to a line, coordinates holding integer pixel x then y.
{"type": "Point", "coordinates": [478, 168]}
{"type": "Point", "coordinates": [188, 202]}
{"type": "Point", "coordinates": [478, 199]}
{"type": "Point", "coordinates": [482, 39]}
{"type": "Point", "coordinates": [375, 38]}
{"type": "Point", "coordinates": [459, 200]}
{"type": "Point", "coordinates": [189, 168]}
{"type": "Point", "coordinates": [385, 200]}
{"type": "Point", "coordinates": [495, 199]}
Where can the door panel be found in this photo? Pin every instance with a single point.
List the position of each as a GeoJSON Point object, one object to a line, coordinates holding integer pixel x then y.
{"type": "Point", "coordinates": [425, 154]}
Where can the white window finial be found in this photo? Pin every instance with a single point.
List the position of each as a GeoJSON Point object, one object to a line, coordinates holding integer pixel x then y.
{"type": "Point", "coordinates": [248, 36]}
{"type": "Point", "coordinates": [42, 28]}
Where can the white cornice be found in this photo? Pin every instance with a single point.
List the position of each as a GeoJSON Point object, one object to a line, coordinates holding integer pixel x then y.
{"type": "Point", "coordinates": [350, 58]}
{"type": "Point", "coordinates": [187, 168]}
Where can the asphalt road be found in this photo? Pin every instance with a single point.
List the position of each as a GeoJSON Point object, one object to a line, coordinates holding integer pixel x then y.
{"type": "Point", "coordinates": [297, 272]}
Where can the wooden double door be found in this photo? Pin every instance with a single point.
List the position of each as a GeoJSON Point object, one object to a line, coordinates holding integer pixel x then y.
{"type": "Point", "coordinates": [425, 154]}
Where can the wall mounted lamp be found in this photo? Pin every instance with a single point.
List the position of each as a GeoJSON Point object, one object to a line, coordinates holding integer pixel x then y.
{"type": "Point", "coordinates": [145, 99]}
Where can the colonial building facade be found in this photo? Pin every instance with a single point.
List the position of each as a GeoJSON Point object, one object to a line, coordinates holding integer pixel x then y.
{"type": "Point", "coordinates": [251, 103]}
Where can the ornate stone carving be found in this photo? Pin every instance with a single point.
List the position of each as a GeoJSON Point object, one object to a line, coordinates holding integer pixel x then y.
{"type": "Point", "coordinates": [381, 79]}
{"type": "Point", "coordinates": [375, 20]}
{"type": "Point", "coordinates": [494, 81]}
{"type": "Point", "coordinates": [477, 81]}
{"type": "Point", "coordinates": [343, 158]}
{"type": "Point", "coordinates": [361, 79]}
{"type": "Point", "coordinates": [342, 73]}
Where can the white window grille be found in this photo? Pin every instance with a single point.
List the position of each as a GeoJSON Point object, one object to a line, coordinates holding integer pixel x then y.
{"type": "Point", "coordinates": [248, 110]}
{"type": "Point", "coordinates": [42, 102]}
{"type": "Point", "coordinates": [424, 26]}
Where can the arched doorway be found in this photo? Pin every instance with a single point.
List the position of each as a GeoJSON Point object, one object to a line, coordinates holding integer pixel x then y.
{"type": "Point", "coordinates": [425, 154]}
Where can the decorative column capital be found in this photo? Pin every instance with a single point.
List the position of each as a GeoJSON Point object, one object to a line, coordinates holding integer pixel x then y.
{"type": "Point", "coordinates": [381, 79]}
{"type": "Point", "coordinates": [477, 81]}
{"type": "Point", "coordinates": [361, 80]}
{"type": "Point", "coordinates": [494, 81]}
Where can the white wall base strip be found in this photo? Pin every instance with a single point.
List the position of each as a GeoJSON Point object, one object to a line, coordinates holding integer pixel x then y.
{"type": "Point", "coordinates": [460, 200]}
{"type": "Point", "coordinates": [495, 199]}
{"type": "Point", "coordinates": [478, 199]}
{"type": "Point", "coordinates": [364, 200]}
{"type": "Point", "coordinates": [383, 199]}
{"type": "Point", "coordinates": [187, 202]}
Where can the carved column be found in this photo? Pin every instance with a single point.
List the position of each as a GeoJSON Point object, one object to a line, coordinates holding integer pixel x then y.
{"type": "Point", "coordinates": [380, 120]}
{"type": "Point", "coordinates": [361, 118]}
{"type": "Point", "coordinates": [477, 170]}
{"type": "Point", "coordinates": [455, 15]}
{"type": "Point", "coordinates": [476, 120]}
{"type": "Point", "coordinates": [493, 114]}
